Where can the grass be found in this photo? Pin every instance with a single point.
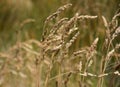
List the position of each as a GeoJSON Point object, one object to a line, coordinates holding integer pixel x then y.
{"type": "Point", "coordinates": [72, 52]}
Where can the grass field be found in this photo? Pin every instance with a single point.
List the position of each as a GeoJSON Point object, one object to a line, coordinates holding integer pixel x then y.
{"type": "Point", "coordinates": [60, 43]}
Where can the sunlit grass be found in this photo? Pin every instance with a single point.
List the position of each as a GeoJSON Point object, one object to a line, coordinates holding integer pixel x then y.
{"type": "Point", "coordinates": [77, 45]}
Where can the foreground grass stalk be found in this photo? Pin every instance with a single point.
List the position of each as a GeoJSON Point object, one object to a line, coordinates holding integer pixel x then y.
{"type": "Point", "coordinates": [38, 65]}
{"type": "Point", "coordinates": [48, 76]}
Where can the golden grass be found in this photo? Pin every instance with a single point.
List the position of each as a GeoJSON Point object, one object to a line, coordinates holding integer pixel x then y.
{"type": "Point", "coordinates": [53, 61]}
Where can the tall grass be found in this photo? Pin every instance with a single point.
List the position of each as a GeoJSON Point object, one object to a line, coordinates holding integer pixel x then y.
{"type": "Point", "coordinates": [69, 53]}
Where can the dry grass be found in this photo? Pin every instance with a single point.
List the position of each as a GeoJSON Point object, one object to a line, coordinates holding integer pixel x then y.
{"type": "Point", "coordinates": [54, 62]}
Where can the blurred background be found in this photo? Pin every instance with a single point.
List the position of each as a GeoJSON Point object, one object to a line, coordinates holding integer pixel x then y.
{"type": "Point", "coordinates": [28, 16]}
{"type": "Point", "coordinates": [15, 12]}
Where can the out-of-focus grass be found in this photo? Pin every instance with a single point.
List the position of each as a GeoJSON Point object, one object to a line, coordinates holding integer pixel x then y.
{"type": "Point", "coordinates": [14, 13]}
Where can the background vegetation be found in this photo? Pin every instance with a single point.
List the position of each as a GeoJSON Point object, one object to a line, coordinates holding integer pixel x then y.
{"type": "Point", "coordinates": [26, 61]}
